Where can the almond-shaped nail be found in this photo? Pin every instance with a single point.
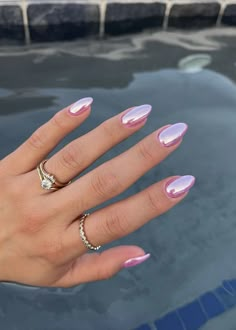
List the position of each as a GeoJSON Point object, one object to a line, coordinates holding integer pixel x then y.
{"type": "Point", "coordinates": [136, 115]}
{"type": "Point", "coordinates": [80, 106]}
{"type": "Point", "coordinates": [135, 261]}
{"type": "Point", "coordinates": [178, 187]}
{"type": "Point", "coordinates": [172, 134]}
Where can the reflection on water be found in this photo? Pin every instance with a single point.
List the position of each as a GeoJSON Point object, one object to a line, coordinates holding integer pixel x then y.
{"type": "Point", "coordinates": [193, 245]}
{"type": "Point", "coordinates": [194, 63]}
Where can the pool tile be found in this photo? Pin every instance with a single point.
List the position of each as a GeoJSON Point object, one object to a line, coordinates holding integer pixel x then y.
{"type": "Point", "coordinates": [227, 286]}
{"type": "Point", "coordinates": [211, 305]}
{"type": "Point", "coordinates": [192, 316]}
{"type": "Point", "coordinates": [133, 17]}
{"type": "Point", "coordinates": [170, 321]}
{"type": "Point", "coordinates": [194, 15]}
{"type": "Point", "coordinates": [227, 298]}
{"type": "Point", "coordinates": [11, 23]}
{"type": "Point", "coordinates": [233, 285]}
{"type": "Point", "coordinates": [229, 16]}
{"type": "Point", "coordinates": [50, 22]}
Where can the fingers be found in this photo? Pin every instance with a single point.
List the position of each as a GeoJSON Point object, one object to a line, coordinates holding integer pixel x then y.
{"type": "Point", "coordinates": [122, 218]}
{"type": "Point", "coordinates": [82, 152]}
{"type": "Point", "coordinates": [28, 155]}
{"type": "Point", "coordinates": [99, 266]}
{"type": "Point", "coordinates": [116, 175]}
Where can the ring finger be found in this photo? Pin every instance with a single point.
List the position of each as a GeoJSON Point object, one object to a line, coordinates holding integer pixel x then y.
{"type": "Point", "coordinates": [82, 152]}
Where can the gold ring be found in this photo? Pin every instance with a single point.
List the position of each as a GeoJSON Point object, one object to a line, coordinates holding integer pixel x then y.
{"type": "Point", "coordinates": [82, 233]}
{"type": "Point", "coordinates": [48, 181]}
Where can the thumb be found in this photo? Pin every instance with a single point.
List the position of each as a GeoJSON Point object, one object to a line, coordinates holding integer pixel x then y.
{"type": "Point", "coordinates": [100, 266]}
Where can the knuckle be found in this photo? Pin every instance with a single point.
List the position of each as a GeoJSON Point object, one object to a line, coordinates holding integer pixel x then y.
{"type": "Point", "coordinates": [69, 157]}
{"type": "Point", "coordinates": [9, 189]}
{"type": "Point", "coordinates": [104, 273]}
{"type": "Point", "coordinates": [105, 183]}
{"type": "Point", "coordinates": [51, 249]}
{"type": "Point", "coordinates": [37, 140]}
{"type": "Point", "coordinates": [59, 120]}
{"type": "Point", "coordinates": [34, 217]}
{"type": "Point", "coordinates": [145, 151]}
{"type": "Point", "coordinates": [154, 202]}
{"type": "Point", "coordinates": [115, 225]}
{"type": "Point", "coordinates": [109, 132]}
{"type": "Point", "coordinates": [32, 223]}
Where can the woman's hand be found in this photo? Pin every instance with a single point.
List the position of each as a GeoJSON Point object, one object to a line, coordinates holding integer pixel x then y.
{"type": "Point", "coordinates": [40, 242]}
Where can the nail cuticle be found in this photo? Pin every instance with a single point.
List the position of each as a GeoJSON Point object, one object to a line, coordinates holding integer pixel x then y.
{"type": "Point", "coordinates": [136, 115]}
{"type": "Point", "coordinates": [80, 106]}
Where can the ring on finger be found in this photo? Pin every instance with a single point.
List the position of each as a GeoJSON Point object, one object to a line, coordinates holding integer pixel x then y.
{"type": "Point", "coordinates": [48, 181]}
{"type": "Point", "coordinates": [82, 233]}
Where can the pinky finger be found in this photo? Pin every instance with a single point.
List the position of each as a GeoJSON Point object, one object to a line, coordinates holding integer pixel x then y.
{"type": "Point", "coordinates": [102, 266]}
{"type": "Point", "coordinates": [119, 219]}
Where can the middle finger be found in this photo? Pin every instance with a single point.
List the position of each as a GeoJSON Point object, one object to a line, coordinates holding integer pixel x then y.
{"type": "Point", "coordinates": [74, 158]}
{"type": "Point", "coordinates": [116, 175]}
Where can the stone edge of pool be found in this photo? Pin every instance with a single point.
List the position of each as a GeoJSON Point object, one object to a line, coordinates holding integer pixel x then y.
{"type": "Point", "coordinates": [29, 21]}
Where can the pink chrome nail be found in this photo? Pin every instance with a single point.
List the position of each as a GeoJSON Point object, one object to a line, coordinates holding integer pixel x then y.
{"type": "Point", "coordinates": [178, 187]}
{"type": "Point", "coordinates": [135, 261]}
{"type": "Point", "coordinates": [80, 106]}
{"type": "Point", "coordinates": [136, 115]}
{"type": "Point", "coordinates": [172, 134]}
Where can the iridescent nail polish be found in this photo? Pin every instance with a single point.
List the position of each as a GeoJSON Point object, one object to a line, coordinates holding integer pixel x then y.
{"type": "Point", "coordinates": [178, 187]}
{"type": "Point", "coordinates": [172, 134]}
{"type": "Point", "coordinates": [80, 106]}
{"type": "Point", "coordinates": [136, 115]}
{"type": "Point", "coordinates": [135, 261]}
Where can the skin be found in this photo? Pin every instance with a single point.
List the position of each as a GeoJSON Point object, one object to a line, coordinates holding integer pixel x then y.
{"type": "Point", "coordinates": [40, 243]}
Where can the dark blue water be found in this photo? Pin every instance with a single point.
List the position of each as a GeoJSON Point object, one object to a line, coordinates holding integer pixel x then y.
{"type": "Point", "coordinates": [193, 245]}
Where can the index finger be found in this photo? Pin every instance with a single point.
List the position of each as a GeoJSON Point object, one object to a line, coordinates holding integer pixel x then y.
{"type": "Point", "coordinates": [29, 154]}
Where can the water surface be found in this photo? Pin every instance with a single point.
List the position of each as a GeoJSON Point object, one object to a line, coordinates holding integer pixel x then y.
{"type": "Point", "coordinates": [193, 245]}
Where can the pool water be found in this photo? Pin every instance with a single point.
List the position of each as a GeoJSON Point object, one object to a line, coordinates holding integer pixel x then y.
{"type": "Point", "coordinates": [190, 280]}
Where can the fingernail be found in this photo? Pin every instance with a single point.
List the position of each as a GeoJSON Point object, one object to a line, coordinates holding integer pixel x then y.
{"type": "Point", "coordinates": [136, 115]}
{"type": "Point", "coordinates": [135, 261]}
{"type": "Point", "coordinates": [80, 106]}
{"type": "Point", "coordinates": [178, 187]}
{"type": "Point", "coordinates": [172, 134]}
